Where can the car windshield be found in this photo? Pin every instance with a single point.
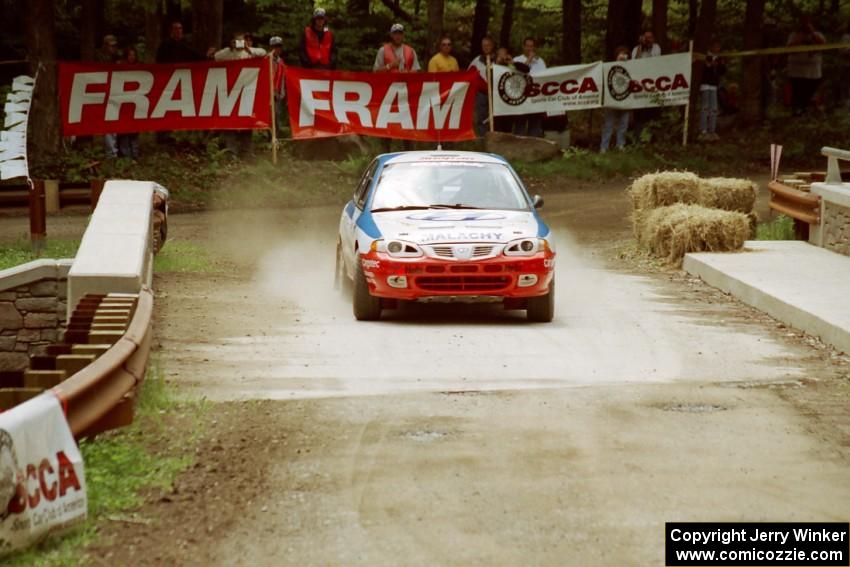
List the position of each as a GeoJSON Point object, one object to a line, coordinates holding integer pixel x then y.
{"type": "Point", "coordinates": [472, 185]}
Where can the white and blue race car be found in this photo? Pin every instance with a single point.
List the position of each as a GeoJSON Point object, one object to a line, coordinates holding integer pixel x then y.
{"type": "Point", "coordinates": [445, 225]}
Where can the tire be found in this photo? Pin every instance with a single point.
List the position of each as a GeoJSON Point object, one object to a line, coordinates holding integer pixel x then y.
{"type": "Point", "coordinates": [542, 309]}
{"type": "Point", "coordinates": [366, 306]}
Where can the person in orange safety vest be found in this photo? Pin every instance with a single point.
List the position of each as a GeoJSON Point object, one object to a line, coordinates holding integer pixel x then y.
{"type": "Point", "coordinates": [396, 56]}
{"type": "Point", "coordinates": [317, 49]}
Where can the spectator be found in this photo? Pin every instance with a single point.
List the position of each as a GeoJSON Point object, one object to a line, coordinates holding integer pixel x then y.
{"type": "Point", "coordinates": [529, 124]}
{"type": "Point", "coordinates": [396, 56]}
{"type": "Point", "coordinates": [443, 61]}
{"type": "Point", "coordinates": [237, 142]}
{"type": "Point", "coordinates": [276, 45]}
{"type": "Point", "coordinates": [504, 123]}
{"type": "Point", "coordinates": [615, 119]}
{"type": "Point", "coordinates": [174, 49]}
{"type": "Point", "coordinates": [482, 106]}
{"type": "Point", "coordinates": [254, 51]}
{"type": "Point", "coordinates": [804, 69]}
{"type": "Point", "coordinates": [108, 53]}
{"type": "Point", "coordinates": [317, 49]}
{"type": "Point", "coordinates": [713, 67]}
{"type": "Point", "coordinates": [845, 67]}
{"type": "Point", "coordinates": [238, 49]}
{"type": "Point", "coordinates": [646, 47]}
{"type": "Point", "coordinates": [128, 144]}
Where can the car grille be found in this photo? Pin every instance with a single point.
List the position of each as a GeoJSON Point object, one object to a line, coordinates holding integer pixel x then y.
{"type": "Point", "coordinates": [478, 251]}
{"type": "Point", "coordinates": [456, 284]}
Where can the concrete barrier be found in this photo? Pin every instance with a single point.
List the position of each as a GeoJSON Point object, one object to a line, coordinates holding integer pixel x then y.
{"type": "Point", "coordinates": [116, 252]}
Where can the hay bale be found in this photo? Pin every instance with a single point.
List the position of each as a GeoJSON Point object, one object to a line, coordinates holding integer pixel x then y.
{"type": "Point", "coordinates": [673, 231]}
{"type": "Point", "coordinates": [664, 188]}
{"type": "Point", "coordinates": [728, 193]}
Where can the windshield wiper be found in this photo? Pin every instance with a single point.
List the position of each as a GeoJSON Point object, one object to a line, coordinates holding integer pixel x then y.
{"type": "Point", "coordinates": [400, 208]}
{"type": "Point", "coordinates": [455, 206]}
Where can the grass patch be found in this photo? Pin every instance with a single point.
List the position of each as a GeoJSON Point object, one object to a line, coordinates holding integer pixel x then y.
{"type": "Point", "coordinates": [20, 251]}
{"type": "Point", "coordinates": [182, 256]}
{"type": "Point", "coordinates": [779, 228]}
{"type": "Point", "coordinates": [120, 467]}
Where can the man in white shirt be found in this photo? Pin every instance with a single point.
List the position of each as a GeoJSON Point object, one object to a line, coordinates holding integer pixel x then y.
{"type": "Point", "coordinates": [482, 105]}
{"type": "Point", "coordinates": [646, 47]}
{"type": "Point", "coordinates": [530, 124]}
{"type": "Point", "coordinates": [238, 142]}
{"type": "Point", "coordinates": [238, 49]}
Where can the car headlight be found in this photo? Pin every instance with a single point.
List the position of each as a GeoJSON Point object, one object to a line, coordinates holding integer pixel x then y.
{"type": "Point", "coordinates": [525, 246]}
{"type": "Point", "coordinates": [398, 248]}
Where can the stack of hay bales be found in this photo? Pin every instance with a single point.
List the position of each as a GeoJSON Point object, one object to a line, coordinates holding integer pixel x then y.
{"type": "Point", "coordinates": [677, 212]}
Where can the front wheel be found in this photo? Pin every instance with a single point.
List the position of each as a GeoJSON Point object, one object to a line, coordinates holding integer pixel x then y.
{"type": "Point", "coordinates": [366, 306]}
{"type": "Point", "coordinates": [542, 309]}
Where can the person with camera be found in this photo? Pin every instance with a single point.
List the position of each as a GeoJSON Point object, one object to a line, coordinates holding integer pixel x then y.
{"type": "Point", "coordinates": [237, 142]}
{"type": "Point", "coordinates": [238, 49]}
{"type": "Point", "coordinates": [713, 66]}
{"type": "Point", "coordinates": [804, 68]}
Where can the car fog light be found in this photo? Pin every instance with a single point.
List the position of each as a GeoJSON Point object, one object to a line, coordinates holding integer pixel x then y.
{"type": "Point", "coordinates": [401, 281]}
{"type": "Point", "coordinates": [527, 280]}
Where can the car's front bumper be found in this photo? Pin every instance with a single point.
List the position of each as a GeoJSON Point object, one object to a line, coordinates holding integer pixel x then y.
{"type": "Point", "coordinates": [416, 278]}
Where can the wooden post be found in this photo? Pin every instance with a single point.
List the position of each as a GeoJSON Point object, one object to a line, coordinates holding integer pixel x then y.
{"type": "Point", "coordinates": [686, 125]}
{"type": "Point", "coordinates": [273, 105]}
{"type": "Point", "coordinates": [38, 220]}
{"type": "Point", "coordinates": [490, 94]}
{"type": "Point", "coordinates": [51, 195]}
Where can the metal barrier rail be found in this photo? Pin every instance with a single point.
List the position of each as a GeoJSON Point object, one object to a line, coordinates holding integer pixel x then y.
{"type": "Point", "coordinates": [99, 397]}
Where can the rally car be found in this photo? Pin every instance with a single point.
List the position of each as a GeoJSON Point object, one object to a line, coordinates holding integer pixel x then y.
{"type": "Point", "coordinates": [440, 225]}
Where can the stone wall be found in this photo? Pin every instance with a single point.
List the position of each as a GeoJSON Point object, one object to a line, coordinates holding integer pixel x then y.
{"type": "Point", "coordinates": [835, 227]}
{"type": "Point", "coordinates": [33, 310]}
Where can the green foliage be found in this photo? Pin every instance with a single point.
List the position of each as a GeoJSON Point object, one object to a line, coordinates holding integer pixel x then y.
{"type": "Point", "coordinates": [120, 467]}
{"type": "Point", "coordinates": [20, 251]}
{"type": "Point", "coordinates": [779, 228]}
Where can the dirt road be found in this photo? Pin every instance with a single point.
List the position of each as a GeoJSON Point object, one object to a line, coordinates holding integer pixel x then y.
{"type": "Point", "coordinates": [463, 435]}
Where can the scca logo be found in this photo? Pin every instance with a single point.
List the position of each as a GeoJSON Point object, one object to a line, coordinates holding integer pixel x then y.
{"type": "Point", "coordinates": [659, 84]}
{"type": "Point", "coordinates": [567, 87]}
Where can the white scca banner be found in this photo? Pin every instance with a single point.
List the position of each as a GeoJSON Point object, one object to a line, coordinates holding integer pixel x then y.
{"type": "Point", "coordinates": [42, 483]}
{"type": "Point", "coordinates": [13, 142]}
{"type": "Point", "coordinates": [652, 81]}
{"type": "Point", "coordinates": [552, 91]}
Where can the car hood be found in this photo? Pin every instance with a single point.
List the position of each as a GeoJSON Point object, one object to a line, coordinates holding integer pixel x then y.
{"type": "Point", "coordinates": [463, 225]}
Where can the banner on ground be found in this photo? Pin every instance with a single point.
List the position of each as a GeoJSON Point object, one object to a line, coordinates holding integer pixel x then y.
{"type": "Point", "coordinates": [98, 98]}
{"type": "Point", "coordinates": [553, 91]}
{"type": "Point", "coordinates": [648, 82]}
{"type": "Point", "coordinates": [42, 483]}
{"type": "Point", "coordinates": [430, 107]}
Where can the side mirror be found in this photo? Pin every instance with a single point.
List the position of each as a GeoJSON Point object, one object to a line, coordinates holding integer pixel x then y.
{"type": "Point", "coordinates": [537, 202]}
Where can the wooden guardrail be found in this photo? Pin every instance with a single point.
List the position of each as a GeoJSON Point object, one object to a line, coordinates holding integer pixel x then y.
{"type": "Point", "coordinates": [799, 205]}
{"type": "Point", "coordinates": [99, 397]}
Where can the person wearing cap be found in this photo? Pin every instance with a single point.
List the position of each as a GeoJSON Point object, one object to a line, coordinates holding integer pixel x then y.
{"type": "Point", "coordinates": [482, 106]}
{"type": "Point", "coordinates": [279, 67]}
{"type": "Point", "coordinates": [317, 49]}
{"type": "Point", "coordinates": [396, 56]}
{"type": "Point", "coordinates": [443, 61]}
{"type": "Point", "coordinates": [108, 52]}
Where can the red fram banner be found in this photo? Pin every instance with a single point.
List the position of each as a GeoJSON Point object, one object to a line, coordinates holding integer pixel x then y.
{"type": "Point", "coordinates": [429, 107]}
{"type": "Point", "coordinates": [99, 98]}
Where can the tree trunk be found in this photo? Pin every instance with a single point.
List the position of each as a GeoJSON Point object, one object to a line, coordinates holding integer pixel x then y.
{"type": "Point", "coordinates": [659, 24]}
{"type": "Point", "coordinates": [624, 25]}
{"type": "Point", "coordinates": [358, 7]}
{"type": "Point", "coordinates": [90, 14]}
{"type": "Point", "coordinates": [480, 23]}
{"type": "Point", "coordinates": [436, 10]}
{"type": "Point", "coordinates": [693, 15]}
{"type": "Point", "coordinates": [702, 35]}
{"type": "Point", "coordinates": [571, 25]}
{"type": "Point", "coordinates": [507, 25]}
{"type": "Point", "coordinates": [45, 128]}
{"type": "Point", "coordinates": [207, 16]}
{"type": "Point", "coordinates": [153, 30]}
{"type": "Point", "coordinates": [752, 110]}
